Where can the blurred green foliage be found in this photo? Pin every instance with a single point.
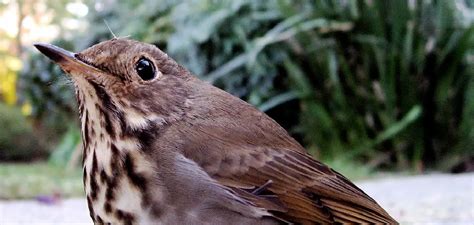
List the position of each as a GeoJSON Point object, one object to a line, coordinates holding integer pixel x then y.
{"type": "Point", "coordinates": [17, 141]}
{"type": "Point", "coordinates": [384, 83]}
{"type": "Point", "coordinates": [38, 179]}
{"type": "Point", "coordinates": [63, 152]}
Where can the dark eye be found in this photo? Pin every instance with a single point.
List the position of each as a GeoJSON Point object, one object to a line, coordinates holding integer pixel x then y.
{"type": "Point", "coordinates": [145, 69]}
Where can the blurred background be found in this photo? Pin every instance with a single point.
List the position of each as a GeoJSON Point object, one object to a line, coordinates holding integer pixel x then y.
{"type": "Point", "coordinates": [372, 88]}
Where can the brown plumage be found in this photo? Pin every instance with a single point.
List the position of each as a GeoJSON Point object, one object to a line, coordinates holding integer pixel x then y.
{"type": "Point", "coordinates": [161, 146]}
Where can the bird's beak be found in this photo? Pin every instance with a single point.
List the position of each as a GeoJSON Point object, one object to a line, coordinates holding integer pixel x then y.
{"type": "Point", "coordinates": [65, 59]}
{"type": "Point", "coordinates": [55, 53]}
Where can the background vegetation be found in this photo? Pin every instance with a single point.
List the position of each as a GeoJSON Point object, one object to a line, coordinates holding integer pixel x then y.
{"type": "Point", "coordinates": [384, 84]}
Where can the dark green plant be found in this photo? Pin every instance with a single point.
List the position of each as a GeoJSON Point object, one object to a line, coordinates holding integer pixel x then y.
{"type": "Point", "coordinates": [17, 141]}
{"type": "Point", "coordinates": [361, 92]}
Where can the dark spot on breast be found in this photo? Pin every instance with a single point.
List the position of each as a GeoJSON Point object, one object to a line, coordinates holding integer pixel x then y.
{"type": "Point", "coordinates": [84, 175]}
{"type": "Point", "coordinates": [103, 96]}
{"type": "Point", "coordinates": [107, 123]}
{"type": "Point", "coordinates": [123, 124]}
{"type": "Point", "coordinates": [99, 220]}
{"type": "Point", "coordinates": [91, 210]}
{"type": "Point", "coordinates": [85, 152]}
{"type": "Point", "coordinates": [112, 181]}
{"type": "Point", "coordinates": [111, 188]}
{"type": "Point", "coordinates": [115, 163]}
{"type": "Point", "coordinates": [103, 176]}
{"type": "Point", "coordinates": [107, 208]}
{"type": "Point", "coordinates": [110, 194]}
{"type": "Point", "coordinates": [108, 109]}
{"type": "Point", "coordinates": [115, 152]}
{"type": "Point", "coordinates": [138, 180]}
{"type": "Point", "coordinates": [135, 178]}
{"type": "Point", "coordinates": [86, 130]}
{"type": "Point", "coordinates": [92, 130]}
{"type": "Point", "coordinates": [79, 102]}
{"type": "Point", "coordinates": [94, 164]}
{"type": "Point", "coordinates": [93, 178]}
{"type": "Point", "coordinates": [146, 199]}
{"type": "Point", "coordinates": [146, 137]}
{"type": "Point", "coordinates": [126, 217]}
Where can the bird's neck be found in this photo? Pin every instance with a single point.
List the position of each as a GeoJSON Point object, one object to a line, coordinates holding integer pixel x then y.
{"type": "Point", "coordinates": [117, 174]}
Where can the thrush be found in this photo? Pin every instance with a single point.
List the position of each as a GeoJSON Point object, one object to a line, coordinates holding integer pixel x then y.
{"type": "Point", "coordinates": [163, 147]}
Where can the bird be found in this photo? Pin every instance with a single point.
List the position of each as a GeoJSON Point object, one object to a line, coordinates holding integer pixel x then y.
{"type": "Point", "coordinates": [161, 146]}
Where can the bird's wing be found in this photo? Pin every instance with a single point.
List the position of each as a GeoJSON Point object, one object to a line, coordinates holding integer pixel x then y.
{"type": "Point", "coordinates": [244, 149]}
{"type": "Point", "coordinates": [302, 190]}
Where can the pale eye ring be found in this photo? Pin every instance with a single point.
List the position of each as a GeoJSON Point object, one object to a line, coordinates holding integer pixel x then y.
{"type": "Point", "coordinates": [145, 69]}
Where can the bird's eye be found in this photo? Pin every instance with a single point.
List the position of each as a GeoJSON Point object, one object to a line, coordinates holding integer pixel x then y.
{"type": "Point", "coordinates": [145, 69]}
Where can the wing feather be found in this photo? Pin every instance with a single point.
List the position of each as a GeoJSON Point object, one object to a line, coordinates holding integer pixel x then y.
{"type": "Point", "coordinates": [309, 191]}
{"type": "Point", "coordinates": [242, 148]}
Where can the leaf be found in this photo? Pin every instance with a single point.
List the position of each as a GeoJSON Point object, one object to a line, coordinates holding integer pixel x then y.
{"type": "Point", "coordinates": [277, 100]}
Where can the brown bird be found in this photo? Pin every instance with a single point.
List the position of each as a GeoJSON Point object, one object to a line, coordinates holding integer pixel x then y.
{"type": "Point", "coordinates": [163, 147]}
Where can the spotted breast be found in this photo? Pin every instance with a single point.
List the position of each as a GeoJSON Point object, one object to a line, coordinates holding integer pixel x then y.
{"type": "Point", "coordinates": [116, 175]}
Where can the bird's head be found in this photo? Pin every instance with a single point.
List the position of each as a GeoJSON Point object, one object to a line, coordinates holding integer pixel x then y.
{"type": "Point", "coordinates": [127, 82]}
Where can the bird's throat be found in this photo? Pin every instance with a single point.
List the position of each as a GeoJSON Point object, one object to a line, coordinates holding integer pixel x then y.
{"type": "Point", "coordinates": [116, 173]}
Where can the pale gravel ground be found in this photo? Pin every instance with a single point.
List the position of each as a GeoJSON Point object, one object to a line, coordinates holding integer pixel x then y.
{"type": "Point", "coordinates": [436, 199]}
